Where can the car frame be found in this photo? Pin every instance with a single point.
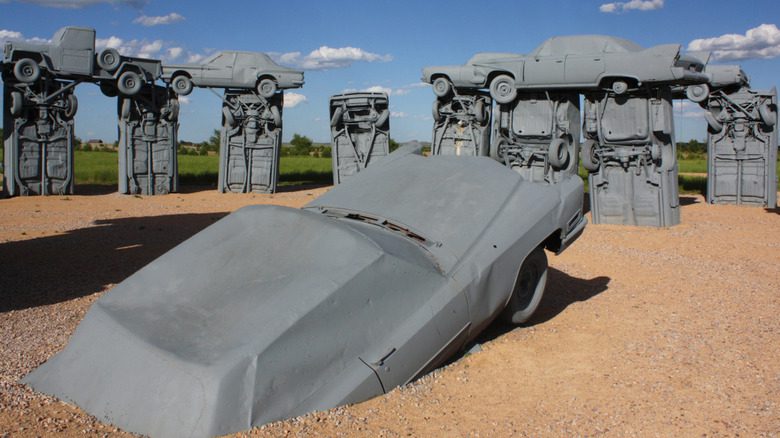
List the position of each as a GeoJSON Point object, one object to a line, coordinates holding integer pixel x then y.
{"type": "Point", "coordinates": [585, 62]}
{"type": "Point", "coordinates": [274, 312]}
{"type": "Point", "coordinates": [233, 69]}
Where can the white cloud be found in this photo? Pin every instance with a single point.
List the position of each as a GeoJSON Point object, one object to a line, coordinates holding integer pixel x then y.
{"type": "Point", "coordinates": [174, 52]}
{"type": "Point", "coordinates": [400, 91]}
{"type": "Point", "coordinates": [145, 20]}
{"type": "Point", "coordinates": [293, 99]}
{"type": "Point", "coordinates": [184, 100]}
{"type": "Point", "coordinates": [759, 42]}
{"type": "Point", "coordinates": [638, 5]}
{"type": "Point", "coordinates": [688, 109]}
{"type": "Point", "coordinates": [9, 35]}
{"type": "Point", "coordinates": [192, 58]}
{"type": "Point", "coordinates": [326, 58]}
{"type": "Point", "coordinates": [398, 114]}
{"type": "Point", "coordinates": [78, 4]}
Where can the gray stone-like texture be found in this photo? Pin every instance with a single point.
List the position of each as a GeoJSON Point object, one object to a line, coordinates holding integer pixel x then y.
{"type": "Point", "coordinates": [461, 123]}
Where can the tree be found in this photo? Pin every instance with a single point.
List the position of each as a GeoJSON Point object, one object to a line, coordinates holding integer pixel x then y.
{"type": "Point", "coordinates": [301, 145]}
{"type": "Point", "coordinates": [214, 141]}
{"type": "Point", "coordinates": [393, 145]}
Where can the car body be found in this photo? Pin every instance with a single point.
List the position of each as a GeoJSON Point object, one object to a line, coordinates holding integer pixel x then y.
{"type": "Point", "coordinates": [274, 312]}
{"type": "Point", "coordinates": [72, 55]}
{"type": "Point", "coordinates": [575, 62]}
{"type": "Point", "coordinates": [234, 69]}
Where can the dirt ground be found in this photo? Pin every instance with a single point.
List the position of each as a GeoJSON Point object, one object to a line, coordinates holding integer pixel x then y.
{"type": "Point", "coordinates": [641, 332]}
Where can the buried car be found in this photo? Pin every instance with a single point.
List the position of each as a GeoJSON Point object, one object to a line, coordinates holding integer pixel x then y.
{"type": "Point", "coordinates": [571, 62]}
{"type": "Point", "coordinates": [233, 69]}
{"type": "Point", "coordinates": [274, 312]}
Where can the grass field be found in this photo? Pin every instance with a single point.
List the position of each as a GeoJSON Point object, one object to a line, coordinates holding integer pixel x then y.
{"type": "Point", "coordinates": [100, 168]}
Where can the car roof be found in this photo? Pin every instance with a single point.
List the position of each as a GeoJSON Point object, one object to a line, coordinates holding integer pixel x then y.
{"type": "Point", "coordinates": [576, 44]}
{"type": "Point", "coordinates": [261, 55]}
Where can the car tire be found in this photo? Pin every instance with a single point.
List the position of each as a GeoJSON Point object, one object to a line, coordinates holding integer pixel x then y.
{"type": "Point", "coordinates": [266, 88]}
{"type": "Point", "coordinates": [697, 93]}
{"type": "Point", "coordinates": [655, 152]}
{"type": "Point", "coordinates": [590, 161]}
{"type": "Point", "coordinates": [227, 117]}
{"type": "Point", "coordinates": [382, 119]}
{"type": "Point", "coordinates": [619, 87]}
{"type": "Point", "coordinates": [17, 103]}
{"type": "Point", "coordinates": [668, 159]}
{"type": "Point", "coordinates": [558, 153]}
{"type": "Point", "coordinates": [495, 148]}
{"type": "Point", "coordinates": [109, 59]}
{"type": "Point", "coordinates": [172, 114]}
{"type": "Point", "coordinates": [182, 85]}
{"type": "Point", "coordinates": [71, 107]}
{"type": "Point", "coordinates": [480, 115]}
{"type": "Point", "coordinates": [713, 123]}
{"type": "Point", "coordinates": [528, 289]}
{"type": "Point", "coordinates": [26, 70]}
{"type": "Point", "coordinates": [502, 89]}
{"type": "Point", "coordinates": [276, 116]}
{"type": "Point", "coordinates": [129, 83]}
{"type": "Point", "coordinates": [442, 87]}
{"type": "Point", "coordinates": [124, 110]}
{"type": "Point", "coordinates": [336, 118]}
{"type": "Point", "coordinates": [768, 117]}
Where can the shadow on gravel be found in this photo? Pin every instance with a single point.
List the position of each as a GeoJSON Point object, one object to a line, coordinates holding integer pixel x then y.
{"type": "Point", "coordinates": [688, 200]}
{"type": "Point", "coordinates": [562, 291]}
{"type": "Point", "coordinates": [81, 262]}
{"type": "Point", "coordinates": [98, 189]}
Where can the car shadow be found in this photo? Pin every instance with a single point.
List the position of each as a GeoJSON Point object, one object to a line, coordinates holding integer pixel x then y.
{"type": "Point", "coordinates": [688, 200]}
{"type": "Point", "coordinates": [80, 262]}
{"type": "Point", "coordinates": [562, 291]}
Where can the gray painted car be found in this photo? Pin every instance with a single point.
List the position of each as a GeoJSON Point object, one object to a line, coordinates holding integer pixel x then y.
{"type": "Point", "coordinates": [571, 62]}
{"type": "Point", "coordinates": [233, 69]}
{"type": "Point", "coordinates": [274, 312]}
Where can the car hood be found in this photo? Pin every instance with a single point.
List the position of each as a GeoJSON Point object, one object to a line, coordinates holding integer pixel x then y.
{"type": "Point", "coordinates": [224, 332]}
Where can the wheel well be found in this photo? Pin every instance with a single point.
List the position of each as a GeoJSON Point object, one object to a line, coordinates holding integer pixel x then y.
{"type": "Point", "coordinates": [180, 73]}
{"type": "Point", "coordinates": [266, 76]}
{"type": "Point", "coordinates": [553, 242]}
{"type": "Point", "coordinates": [35, 56]}
{"type": "Point", "coordinates": [440, 75]}
{"type": "Point", "coordinates": [493, 75]}
{"type": "Point", "coordinates": [607, 81]}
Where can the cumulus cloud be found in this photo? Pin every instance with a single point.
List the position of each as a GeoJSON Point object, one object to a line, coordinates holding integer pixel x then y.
{"type": "Point", "coordinates": [78, 4]}
{"type": "Point", "coordinates": [400, 91]}
{"type": "Point", "coordinates": [633, 5]}
{"type": "Point", "coordinates": [145, 20]}
{"type": "Point", "coordinates": [156, 49]}
{"type": "Point", "coordinates": [326, 58]}
{"type": "Point", "coordinates": [689, 110]}
{"type": "Point", "coordinates": [293, 99]}
{"type": "Point", "coordinates": [398, 114]}
{"type": "Point", "coordinates": [184, 100]}
{"type": "Point", "coordinates": [759, 42]}
{"type": "Point", "coordinates": [9, 35]}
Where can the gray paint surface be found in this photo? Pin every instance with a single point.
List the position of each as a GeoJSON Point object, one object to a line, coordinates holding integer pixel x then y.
{"type": "Point", "coordinates": [38, 143]}
{"type": "Point", "coordinates": [418, 253]}
{"type": "Point", "coordinates": [742, 145]}
{"type": "Point", "coordinates": [635, 182]}
{"type": "Point", "coordinates": [461, 123]}
{"type": "Point", "coordinates": [359, 132]}
{"type": "Point", "coordinates": [538, 135]}
{"type": "Point", "coordinates": [251, 139]}
{"type": "Point", "coordinates": [148, 127]}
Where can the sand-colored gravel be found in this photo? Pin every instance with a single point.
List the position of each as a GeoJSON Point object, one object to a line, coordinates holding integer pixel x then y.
{"type": "Point", "coordinates": [642, 332]}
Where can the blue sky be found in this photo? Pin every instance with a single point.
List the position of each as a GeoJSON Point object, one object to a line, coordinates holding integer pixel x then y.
{"type": "Point", "coordinates": [383, 44]}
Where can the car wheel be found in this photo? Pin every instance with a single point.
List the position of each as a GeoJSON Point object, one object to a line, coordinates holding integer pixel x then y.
{"type": "Point", "coordinates": [502, 89]}
{"type": "Point", "coordinates": [108, 90]}
{"type": "Point", "coordinates": [276, 116]}
{"type": "Point", "coordinates": [26, 70]}
{"type": "Point", "coordinates": [227, 117]}
{"type": "Point", "coordinates": [619, 87]}
{"type": "Point", "coordinates": [768, 117]}
{"type": "Point", "coordinates": [590, 161]}
{"type": "Point", "coordinates": [336, 118]}
{"type": "Point", "coordinates": [558, 153]}
{"type": "Point", "coordinates": [714, 124]}
{"type": "Point", "coordinates": [667, 159]}
{"type": "Point", "coordinates": [697, 93]}
{"type": "Point", "coordinates": [108, 59]}
{"type": "Point", "coordinates": [528, 289]}
{"type": "Point", "coordinates": [124, 111]}
{"type": "Point", "coordinates": [172, 114]}
{"type": "Point", "coordinates": [129, 83]}
{"type": "Point", "coordinates": [435, 110]}
{"type": "Point", "coordinates": [71, 106]}
{"type": "Point", "coordinates": [17, 103]}
{"type": "Point", "coordinates": [480, 115]}
{"type": "Point", "coordinates": [266, 88]}
{"type": "Point", "coordinates": [182, 85]}
{"type": "Point", "coordinates": [442, 86]}
{"type": "Point", "coordinates": [382, 119]}
{"type": "Point", "coordinates": [655, 152]}
{"type": "Point", "coordinates": [495, 149]}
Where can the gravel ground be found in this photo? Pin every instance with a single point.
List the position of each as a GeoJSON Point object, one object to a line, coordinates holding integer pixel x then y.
{"type": "Point", "coordinates": [641, 332]}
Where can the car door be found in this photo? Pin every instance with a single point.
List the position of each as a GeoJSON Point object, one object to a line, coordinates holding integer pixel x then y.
{"type": "Point", "coordinates": [219, 71]}
{"type": "Point", "coordinates": [584, 68]}
{"type": "Point", "coordinates": [544, 70]}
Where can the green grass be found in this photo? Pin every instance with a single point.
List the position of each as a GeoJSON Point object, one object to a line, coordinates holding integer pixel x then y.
{"type": "Point", "coordinates": [101, 168]}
